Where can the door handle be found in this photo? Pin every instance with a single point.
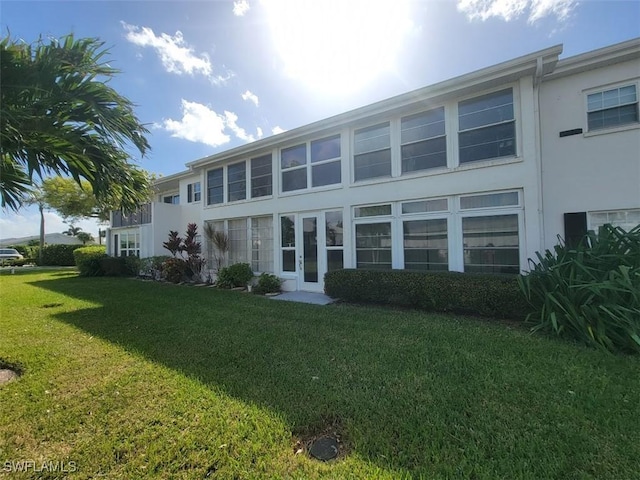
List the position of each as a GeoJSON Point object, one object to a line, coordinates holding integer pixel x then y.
{"type": "Point", "coordinates": [300, 262]}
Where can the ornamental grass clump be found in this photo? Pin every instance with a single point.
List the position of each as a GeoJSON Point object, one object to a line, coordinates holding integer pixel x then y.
{"type": "Point", "coordinates": [590, 293]}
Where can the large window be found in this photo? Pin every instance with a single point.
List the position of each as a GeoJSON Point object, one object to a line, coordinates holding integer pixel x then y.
{"type": "Point", "coordinates": [491, 244]}
{"type": "Point", "coordinates": [293, 162]}
{"type": "Point", "coordinates": [194, 192]}
{"type": "Point", "coordinates": [129, 244]}
{"type": "Point", "coordinates": [261, 178]}
{"type": "Point", "coordinates": [610, 108]}
{"type": "Point", "coordinates": [426, 245]}
{"type": "Point", "coordinates": [372, 152]}
{"type": "Point", "coordinates": [373, 246]}
{"type": "Point", "coordinates": [262, 244]}
{"type": "Point", "coordinates": [215, 186]}
{"type": "Point", "coordinates": [423, 140]}
{"type": "Point", "coordinates": [288, 242]}
{"type": "Point", "coordinates": [237, 231]}
{"type": "Point", "coordinates": [487, 127]}
{"type": "Point", "coordinates": [236, 182]}
{"type": "Point", "coordinates": [325, 160]}
{"type": "Point", "coordinates": [314, 164]}
{"type": "Point", "coordinates": [334, 240]}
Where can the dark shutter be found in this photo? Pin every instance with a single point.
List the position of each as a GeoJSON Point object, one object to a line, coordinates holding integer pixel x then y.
{"type": "Point", "coordinates": [575, 228]}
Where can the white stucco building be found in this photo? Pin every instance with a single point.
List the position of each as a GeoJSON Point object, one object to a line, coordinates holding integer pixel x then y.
{"type": "Point", "coordinates": [473, 174]}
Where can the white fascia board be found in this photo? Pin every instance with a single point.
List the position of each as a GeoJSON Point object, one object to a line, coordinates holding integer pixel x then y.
{"type": "Point", "coordinates": [603, 57]}
{"type": "Point", "coordinates": [455, 87]}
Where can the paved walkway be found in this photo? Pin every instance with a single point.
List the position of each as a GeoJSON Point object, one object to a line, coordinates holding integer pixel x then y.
{"type": "Point", "coordinates": [305, 297]}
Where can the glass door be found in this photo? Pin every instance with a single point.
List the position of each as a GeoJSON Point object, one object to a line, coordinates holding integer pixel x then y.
{"type": "Point", "coordinates": [310, 276]}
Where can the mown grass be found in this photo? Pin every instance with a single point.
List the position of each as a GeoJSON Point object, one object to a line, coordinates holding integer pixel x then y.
{"type": "Point", "coordinates": [131, 379]}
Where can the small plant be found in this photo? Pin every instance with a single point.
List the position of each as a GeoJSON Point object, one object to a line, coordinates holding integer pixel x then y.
{"type": "Point", "coordinates": [151, 267]}
{"type": "Point", "coordinates": [191, 266]}
{"type": "Point", "coordinates": [174, 269]}
{"type": "Point", "coordinates": [267, 283]}
{"type": "Point", "coordinates": [237, 275]}
{"type": "Point", "coordinates": [219, 244]}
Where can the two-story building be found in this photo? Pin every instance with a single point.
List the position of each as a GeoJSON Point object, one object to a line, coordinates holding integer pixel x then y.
{"type": "Point", "coordinates": [472, 174]}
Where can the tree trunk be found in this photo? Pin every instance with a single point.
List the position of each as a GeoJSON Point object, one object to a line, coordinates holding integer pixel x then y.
{"type": "Point", "coordinates": [41, 252]}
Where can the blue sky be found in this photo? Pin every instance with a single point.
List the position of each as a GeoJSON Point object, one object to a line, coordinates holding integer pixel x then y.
{"type": "Point", "coordinates": [209, 76]}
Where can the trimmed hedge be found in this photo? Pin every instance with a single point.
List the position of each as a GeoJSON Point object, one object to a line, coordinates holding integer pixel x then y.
{"type": "Point", "coordinates": [58, 255]}
{"type": "Point", "coordinates": [88, 260]}
{"type": "Point", "coordinates": [487, 295]}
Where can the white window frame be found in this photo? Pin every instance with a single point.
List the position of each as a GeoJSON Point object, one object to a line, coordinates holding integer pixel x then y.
{"type": "Point", "coordinates": [515, 94]}
{"type": "Point", "coordinates": [393, 126]}
{"type": "Point", "coordinates": [424, 139]}
{"type": "Point", "coordinates": [309, 164]}
{"type": "Point", "coordinates": [612, 128]}
{"type": "Point", "coordinates": [194, 195]}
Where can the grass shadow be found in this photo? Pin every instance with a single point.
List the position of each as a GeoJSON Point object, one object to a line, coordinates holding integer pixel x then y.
{"type": "Point", "coordinates": [408, 391]}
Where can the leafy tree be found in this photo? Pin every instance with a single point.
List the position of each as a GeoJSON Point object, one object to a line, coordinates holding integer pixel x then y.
{"type": "Point", "coordinates": [73, 231]}
{"type": "Point", "coordinates": [84, 237]}
{"type": "Point", "coordinates": [58, 115]}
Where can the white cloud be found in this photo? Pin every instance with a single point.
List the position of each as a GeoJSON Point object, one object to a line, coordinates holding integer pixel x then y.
{"type": "Point", "coordinates": [230, 120]}
{"type": "Point", "coordinates": [201, 124]}
{"type": "Point", "coordinates": [251, 97]}
{"type": "Point", "coordinates": [176, 55]}
{"type": "Point", "coordinates": [511, 9]}
{"type": "Point", "coordinates": [259, 132]}
{"type": "Point", "coordinates": [240, 7]}
{"type": "Point", "coordinates": [198, 124]}
{"type": "Point", "coordinates": [276, 130]}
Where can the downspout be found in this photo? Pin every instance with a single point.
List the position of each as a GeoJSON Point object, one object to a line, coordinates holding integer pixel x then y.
{"type": "Point", "coordinates": [537, 82]}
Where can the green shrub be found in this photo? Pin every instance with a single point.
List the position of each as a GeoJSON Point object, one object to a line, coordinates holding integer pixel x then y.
{"type": "Point", "coordinates": [174, 270]}
{"type": "Point", "coordinates": [59, 255]}
{"type": "Point", "coordinates": [267, 283]}
{"type": "Point", "coordinates": [151, 267]}
{"type": "Point", "coordinates": [88, 260]}
{"type": "Point", "coordinates": [236, 275]}
{"type": "Point", "coordinates": [487, 295]}
{"type": "Point", "coordinates": [590, 293]}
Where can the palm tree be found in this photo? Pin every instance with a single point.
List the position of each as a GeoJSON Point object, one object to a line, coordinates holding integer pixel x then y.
{"type": "Point", "coordinates": [73, 231]}
{"type": "Point", "coordinates": [58, 115]}
{"type": "Point", "coordinates": [84, 237]}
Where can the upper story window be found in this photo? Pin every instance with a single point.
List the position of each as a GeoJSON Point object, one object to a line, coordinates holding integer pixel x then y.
{"type": "Point", "coordinates": [261, 177]}
{"type": "Point", "coordinates": [194, 192]}
{"type": "Point", "coordinates": [215, 186]}
{"type": "Point", "coordinates": [237, 181]}
{"type": "Point", "coordinates": [173, 199]}
{"type": "Point", "coordinates": [315, 163]}
{"type": "Point", "coordinates": [423, 141]}
{"type": "Point", "coordinates": [487, 127]}
{"type": "Point", "coordinates": [325, 160]}
{"type": "Point", "coordinates": [372, 152]}
{"type": "Point", "coordinates": [610, 108]}
{"type": "Point", "coordinates": [293, 162]}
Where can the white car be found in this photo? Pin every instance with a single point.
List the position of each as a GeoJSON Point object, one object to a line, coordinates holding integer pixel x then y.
{"type": "Point", "coordinates": [9, 254]}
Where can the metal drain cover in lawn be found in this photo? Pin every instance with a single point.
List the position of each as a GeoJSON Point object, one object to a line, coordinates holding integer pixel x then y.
{"type": "Point", "coordinates": [324, 448]}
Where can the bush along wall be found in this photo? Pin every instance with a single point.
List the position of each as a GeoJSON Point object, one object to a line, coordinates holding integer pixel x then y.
{"type": "Point", "coordinates": [495, 296]}
{"type": "Point", "coordinates": [89, 260]}
{"type": "Point", "coordinates": [590, 293]}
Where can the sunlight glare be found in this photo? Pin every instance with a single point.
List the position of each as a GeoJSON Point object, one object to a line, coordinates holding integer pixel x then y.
{"type": "Point", "coordinates": [338, 45]}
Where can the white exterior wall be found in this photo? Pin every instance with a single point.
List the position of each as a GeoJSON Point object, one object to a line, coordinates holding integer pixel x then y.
{"type": "Point", "coordinates": [590, 171]}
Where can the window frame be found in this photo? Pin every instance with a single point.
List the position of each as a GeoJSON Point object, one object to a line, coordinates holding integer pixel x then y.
{"type": "Point", "coordinates": [429, 139]}
{"type": "Point", "coordinates": [243, 181]}
{"type": "Point", "coordinates": [613, 128]}
{"type": "Point", "coordinates": [221, 185]}
{"type": "Point", "coordinates": [194, 195]}
{"type": "Point", "coordinates": [389, 148]}
{"type": "Point", "coordinates": [252, 178]}
{"type": "Point", "coordinates": [515, 101]}
{"type": "Point", "coordinates": [309, 165]}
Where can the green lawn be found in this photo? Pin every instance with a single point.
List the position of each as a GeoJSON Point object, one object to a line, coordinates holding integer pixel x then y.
{"type": "Point", "coordinates": [132, 379]}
